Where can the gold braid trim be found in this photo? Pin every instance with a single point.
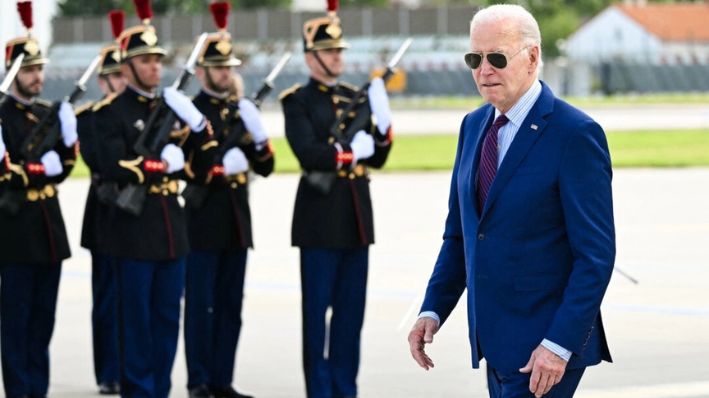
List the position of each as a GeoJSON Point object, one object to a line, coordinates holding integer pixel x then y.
{"type": "Point", "coordinates": [134, 166]}
{"type": "Point", "coordinates": [19, 170]}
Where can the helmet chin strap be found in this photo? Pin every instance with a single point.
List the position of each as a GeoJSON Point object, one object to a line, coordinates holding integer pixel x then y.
{"type": "Point", "coordinates": [136, 77]}
{"type": "Point", "coordinates": [210, 82]}
{"type": "Point", "coordinates": [24, 92]}
{"type": "Point", "coordinates": [111, 89]}
{"type": "Point", "coordinates": [323, 66]}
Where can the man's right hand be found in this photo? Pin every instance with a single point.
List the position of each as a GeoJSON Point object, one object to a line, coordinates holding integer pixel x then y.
{"type": "Point", "coordinates": [52, 164]}
{"type": "Point", "coordinates": [362, 145]}
{"type": "Point", "coordinates": [420, 335]}
{"type": "Point", "coordinates": [235, 161]}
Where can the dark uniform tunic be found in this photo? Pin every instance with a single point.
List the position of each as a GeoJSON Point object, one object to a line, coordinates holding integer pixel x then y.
{"type": "Point", "coordinates": [159, 232]}
{"type": "Point", "coordinates": [343, 218]}
{"type": "Point", "coordinates": [220, 234]}
{"type": "Point", "coordinates": [94, 209]}
{"type": "Point", "coordinates": [223, 222]}
{"type": "Point", "coordinates": [33, 243]}
{"type": "Point", "coordinates": [35, 233]}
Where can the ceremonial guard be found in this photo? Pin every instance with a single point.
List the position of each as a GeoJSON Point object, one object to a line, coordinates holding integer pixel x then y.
{"type": "Point", "coordinates": [33, 240]}
{"type": "Point", "coordinates": [219, 219]}
{"type": "Point", "coordinates": [142, 149]}
{"type": "Point", "coordinates": [104, 315]}
{"type": "Point", "coordinates": [332, 220]}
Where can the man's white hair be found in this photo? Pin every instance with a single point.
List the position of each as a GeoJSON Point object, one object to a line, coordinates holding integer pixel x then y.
{"type": "Point", "coordinates": [526, 25]}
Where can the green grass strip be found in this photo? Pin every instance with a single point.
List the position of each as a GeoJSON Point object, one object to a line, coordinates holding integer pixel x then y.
{"type": "Point", "coordinates": [675, 148]}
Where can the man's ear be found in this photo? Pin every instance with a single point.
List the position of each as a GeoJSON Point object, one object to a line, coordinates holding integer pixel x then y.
{"type": "Point", "coordinates": [533, 58]}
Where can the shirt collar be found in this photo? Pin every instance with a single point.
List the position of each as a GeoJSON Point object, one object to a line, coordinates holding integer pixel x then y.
{"type": "Point", "coordinates": [20, 100]}
{"type": "Point", "coordinates": [214, 94]}
{"type": "Point", "coordinates": [520, 110]}
{"type": "Point", "coordinates": [140, 92]}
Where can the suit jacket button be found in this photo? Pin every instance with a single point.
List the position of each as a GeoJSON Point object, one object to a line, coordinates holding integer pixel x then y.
{"type": "Point", "coordinates": [481, 236]}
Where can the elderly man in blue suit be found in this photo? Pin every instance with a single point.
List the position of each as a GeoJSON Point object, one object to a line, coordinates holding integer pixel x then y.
{"type": "Point", "coordinates": [530, 229]}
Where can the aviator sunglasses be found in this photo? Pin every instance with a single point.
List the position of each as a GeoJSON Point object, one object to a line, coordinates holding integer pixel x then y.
{"type": "Point", "coordinates": [497, 59]}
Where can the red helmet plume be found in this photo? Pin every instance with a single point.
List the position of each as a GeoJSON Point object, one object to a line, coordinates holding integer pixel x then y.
{"type": "Point", "coordinates": [332, 5]}
{"type": "Point", "coordinates": [220, 13]}
{"type": "Point", "coordinates": [117, 18]}
{"type": "Point", "coordinates": [25, 10]}
{"type": "Point", "coordinates": [144, 9]}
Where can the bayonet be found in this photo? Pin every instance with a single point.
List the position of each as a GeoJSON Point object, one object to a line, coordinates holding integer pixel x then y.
{"type": "Point", "coordinates": [10, 76]}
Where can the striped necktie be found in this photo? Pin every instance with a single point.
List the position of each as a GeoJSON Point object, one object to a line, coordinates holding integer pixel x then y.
{"type": "Point", "coordinates": [487, 168]}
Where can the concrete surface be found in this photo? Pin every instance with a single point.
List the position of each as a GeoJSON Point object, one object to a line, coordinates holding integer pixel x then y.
{"type": "Point", "coordinates": [658, 330]}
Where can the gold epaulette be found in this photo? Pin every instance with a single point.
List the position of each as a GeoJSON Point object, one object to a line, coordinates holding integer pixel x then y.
{"type": "Point", "coordinates": [84, 108]}
{"type": "Point", "coordinates": [349, 86]}
{"type": "Point", "coordinates": [285, 93]}
{"type": "Point", "coordinates": [100, 104]}
{"type": "Point", "coordinates": [43, 102]}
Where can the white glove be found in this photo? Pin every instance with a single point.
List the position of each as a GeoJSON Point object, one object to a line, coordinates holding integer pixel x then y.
{"type": "Point", "coordinates": [52, 164]}
{"type": "Point", "coordinates": [379, 104]}
{"type": "Point", "coordinates": [2, 145]}
{"type": "Point", "coordinates": [184, 109]}
{"type": "Point", "coordinates": [67, 120]}
{"type": "Point", "coordinates": [174, 157]}
{"type": "Point", "coordinates": [252, 120]}
{"type": "Point", "coordinates": [362, 145]}
{"type": "Point", "coordinates": [235, 162]}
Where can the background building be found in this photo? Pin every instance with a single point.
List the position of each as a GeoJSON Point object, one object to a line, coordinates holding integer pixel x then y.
{"type": "Point", "coordinates": [657, 33]}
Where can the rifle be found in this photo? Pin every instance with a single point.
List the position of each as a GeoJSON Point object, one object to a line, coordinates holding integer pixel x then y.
{"type": "Point", "coordinates": [156, 134]}
{"type": "Point", "coordinates": [346, 125]}
{"type": "Point", "coordinates": [45, 135]}
{"type": "Point", "coordinates": [195, 195]}
{"type": "Point", "coordinates": [10, 77]}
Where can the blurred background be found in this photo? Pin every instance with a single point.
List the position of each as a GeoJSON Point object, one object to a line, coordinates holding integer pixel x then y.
{"type": "Point", "coordinates": [590, 47]}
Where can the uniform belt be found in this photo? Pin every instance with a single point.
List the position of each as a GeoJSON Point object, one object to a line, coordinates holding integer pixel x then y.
{"type": "Point", "coordinates": [48, 191]}
{"type": "Point", "coordinates": [165, 188]}
{"type": "Point", "coordinates": [234, 180]}
{"type": "Point", "coordinates": [358, 171]}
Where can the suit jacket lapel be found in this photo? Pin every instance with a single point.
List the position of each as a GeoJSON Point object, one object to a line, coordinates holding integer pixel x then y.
{"type": "Point", "coordinates": [482, 130]}
{"type": "Point", "coordinates": [522, 143]}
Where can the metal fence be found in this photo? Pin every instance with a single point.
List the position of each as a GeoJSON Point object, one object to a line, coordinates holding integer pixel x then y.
{"type": "Point", "coordinates": [263, 24]}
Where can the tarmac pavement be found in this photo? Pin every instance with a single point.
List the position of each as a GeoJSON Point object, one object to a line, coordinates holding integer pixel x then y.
{"type": "Point", "coordinates": [611, 118]}
{"type": "Point", "coordinates": [658, 330]}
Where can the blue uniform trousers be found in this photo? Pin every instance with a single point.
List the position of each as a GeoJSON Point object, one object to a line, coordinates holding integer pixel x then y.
{"type": "Point", "coordinates": [104, 318]}
{"type": "Point", "coordinates": [28, 299]}
{"type": "Point", "coordinates": [336, 279]}
{"type": "Point", "coordinates": [149, 294]}
{"type": "Point", "coordinates": [214, 290]}
{"type": "Point", "coordinates": [516, 384]}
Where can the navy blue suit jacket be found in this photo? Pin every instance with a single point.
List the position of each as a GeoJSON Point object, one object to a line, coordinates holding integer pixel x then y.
{"type": "Point", "coordinates": [538, 258]}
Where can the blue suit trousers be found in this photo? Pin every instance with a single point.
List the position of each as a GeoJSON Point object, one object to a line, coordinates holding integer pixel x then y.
{"type": "Point", "coordinates": [516, 384]}
{"type": "Point", "coordinates": [28, 300]}
{"type": "Point", "coordinates": [334, 279]}
{"type": "Point", "coordinates": [214, 290]}
{"type": "Point", "coordinates": [149, 294]}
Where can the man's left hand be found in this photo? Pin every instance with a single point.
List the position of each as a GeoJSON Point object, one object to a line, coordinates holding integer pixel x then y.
{"type": "Point", "coordinates": [379, 104]}
{"type": "Point", "coordinates": [547, 370]}
{"type": "Point", "coordinates": [184, 109]}
{"type": "Point", "coordinates": [67, 121]}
